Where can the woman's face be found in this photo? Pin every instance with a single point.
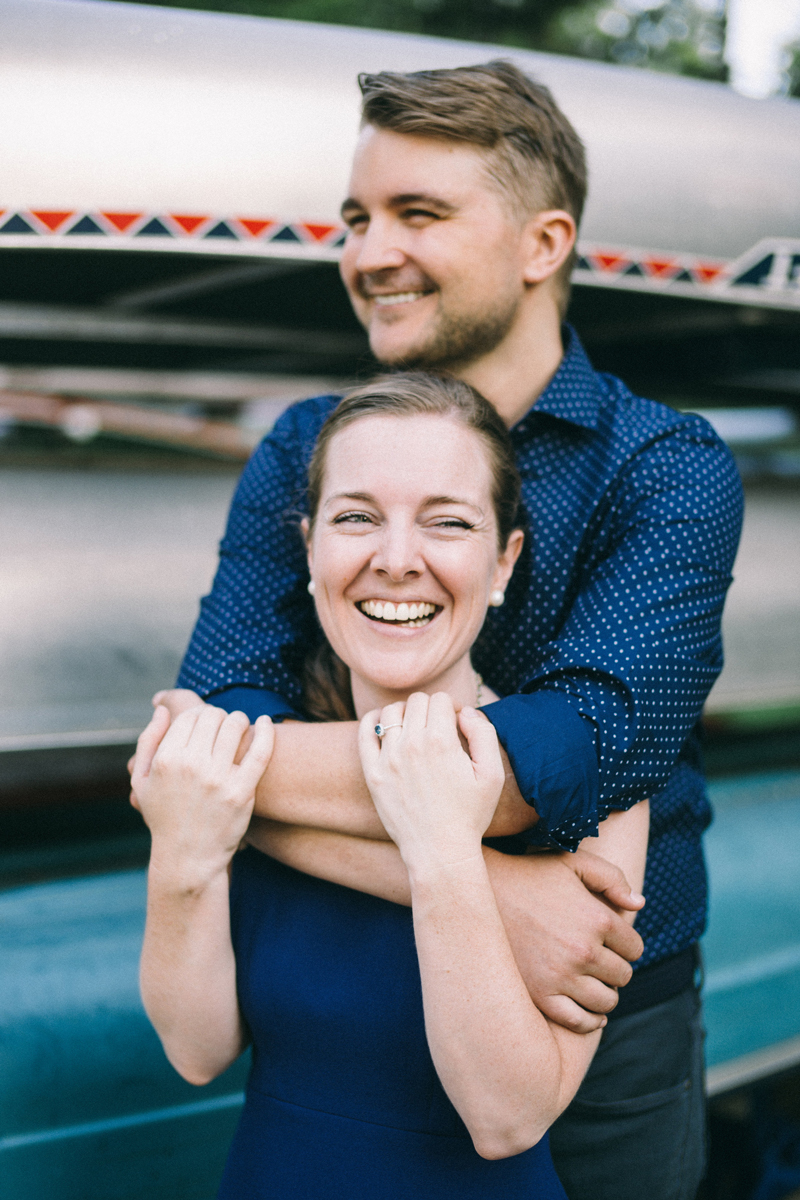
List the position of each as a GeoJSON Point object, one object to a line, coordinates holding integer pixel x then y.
{"type": "Point", "coordinates": [404, 553]}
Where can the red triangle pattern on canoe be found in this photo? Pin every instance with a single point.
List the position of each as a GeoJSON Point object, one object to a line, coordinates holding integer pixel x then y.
{"type": "Point", "coordinates": [188, 224]}
{"type": "Point", "coordinates": [255, 227]}
{"type": "Point", "coordinates": [659, 268]}
{"type": "Point", "coordinates": [708, 272]}
{"type": "Point", "coordinates": [121, 221]}
{"type": "Point", "coordinates": [51, 219]}
{"type": "Point", "coordinates": [610, 262]}
{"type": "Point", "coordinates": [319, 232]}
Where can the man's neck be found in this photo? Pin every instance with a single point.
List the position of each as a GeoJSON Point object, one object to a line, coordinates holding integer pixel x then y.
{"type": "Point", "coordinates": [516, 372]}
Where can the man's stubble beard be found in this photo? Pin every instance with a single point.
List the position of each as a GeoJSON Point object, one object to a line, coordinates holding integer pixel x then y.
{"type": "Point", "coordinates": [459, 339]}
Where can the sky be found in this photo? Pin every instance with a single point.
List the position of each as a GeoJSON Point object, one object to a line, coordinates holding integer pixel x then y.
{"type": "Point", "coordinates": [757, 32]}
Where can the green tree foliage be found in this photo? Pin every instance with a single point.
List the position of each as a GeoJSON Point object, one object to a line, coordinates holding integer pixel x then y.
{"type": "Point", "coordinates": [682, 36]}
{"type": "Point", "coordinates": [790, 80]}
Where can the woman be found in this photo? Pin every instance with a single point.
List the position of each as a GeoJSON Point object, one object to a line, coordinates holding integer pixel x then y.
{"type": "Point", "coordinates": [397, 1053]}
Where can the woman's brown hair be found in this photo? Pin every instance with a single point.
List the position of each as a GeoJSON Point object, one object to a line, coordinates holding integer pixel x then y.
{"type": "Point", "coordinates": [405, 394]}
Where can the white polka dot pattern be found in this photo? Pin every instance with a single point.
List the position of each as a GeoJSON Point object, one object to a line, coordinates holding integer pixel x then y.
{"type": "Point", "coordinates": [633, 513]}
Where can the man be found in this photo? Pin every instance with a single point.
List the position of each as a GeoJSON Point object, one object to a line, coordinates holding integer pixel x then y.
{"type": "Point", "coordinates": [466, 191]}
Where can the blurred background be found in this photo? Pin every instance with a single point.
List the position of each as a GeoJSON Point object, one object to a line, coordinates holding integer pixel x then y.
{"type": "Point", "coordinates": [169, 236]}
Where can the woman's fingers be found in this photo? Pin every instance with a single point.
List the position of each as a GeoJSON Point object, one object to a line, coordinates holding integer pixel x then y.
{"type": "Point", "coordinates": [147, 745]}
{"type": "Point", "coordinates": [182, 727]}
{"type": "Point", "coordinates": [484, 749]}
{"type": "Point", "coordinates": [232, 728]}
{"type": "Point", "coordinates": [414, 714]}
{"type": "Point", "coordinates": [176, 700]}
{"type": "Point", "coordinates": [207, 724]}
{"type": "Point", "coordinates": [256, 760]}
{"type": "Point", "coordinates": [369, 748]}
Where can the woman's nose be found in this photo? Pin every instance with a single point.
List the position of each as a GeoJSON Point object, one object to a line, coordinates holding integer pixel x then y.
{"type": "Point", "coordinates": [398, 555]}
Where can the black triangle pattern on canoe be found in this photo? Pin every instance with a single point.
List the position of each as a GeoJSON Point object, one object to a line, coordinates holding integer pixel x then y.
{"type": "Point", "coordinates": [17, 224]}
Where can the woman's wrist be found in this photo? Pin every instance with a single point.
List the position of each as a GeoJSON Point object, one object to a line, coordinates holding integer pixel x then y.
{"type": "Point", "coordinates": [457, 864]}
{"type": "Point", "coordinates": [182, 874]}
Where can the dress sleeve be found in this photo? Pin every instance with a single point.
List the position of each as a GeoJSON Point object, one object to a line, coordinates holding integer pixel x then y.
{"type": "Point", "coordinates": [258, 622]}
{"type": "Point", "coordinates": [641, 645]}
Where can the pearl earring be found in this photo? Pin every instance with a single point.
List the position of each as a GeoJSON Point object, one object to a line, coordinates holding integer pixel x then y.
{"type": "Point", "coordinates": [311, 587]}
{"type": "Point", "coordinates": [496, 598]}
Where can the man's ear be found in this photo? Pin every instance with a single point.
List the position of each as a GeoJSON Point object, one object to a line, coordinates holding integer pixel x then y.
{"type": "Point", "coordinates": [549, 237]}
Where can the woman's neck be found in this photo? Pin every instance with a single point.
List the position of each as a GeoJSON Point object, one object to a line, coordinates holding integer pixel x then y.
{"type": "Point", "coordinates": [461, 682]}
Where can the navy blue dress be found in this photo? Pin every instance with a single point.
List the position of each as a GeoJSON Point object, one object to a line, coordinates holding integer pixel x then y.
{"type": "Point", "coordinates": [343, 1101]}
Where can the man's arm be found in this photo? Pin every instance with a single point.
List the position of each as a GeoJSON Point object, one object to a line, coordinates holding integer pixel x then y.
{"type": "Point", "coordinates": [611, 701]}
{"type": "Point", "coordinates": [257, 623]}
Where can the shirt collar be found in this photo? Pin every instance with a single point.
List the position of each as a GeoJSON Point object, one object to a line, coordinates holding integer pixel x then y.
{"type": "Point", "coordinates": [574, 394]}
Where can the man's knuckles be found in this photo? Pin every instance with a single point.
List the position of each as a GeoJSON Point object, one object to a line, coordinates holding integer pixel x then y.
{"type": "Point", "coordinates": [582, 951]}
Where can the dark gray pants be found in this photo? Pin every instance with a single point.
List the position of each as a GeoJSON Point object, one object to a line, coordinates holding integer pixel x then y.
{"type": "Point", "coordinates": [636, 1129]}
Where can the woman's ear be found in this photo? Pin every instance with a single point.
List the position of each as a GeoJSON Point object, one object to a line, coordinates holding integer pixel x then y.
{"type": "Point", "coordinates": [507, 560]}
{"type": "Point", "coordinates": [305, 529]}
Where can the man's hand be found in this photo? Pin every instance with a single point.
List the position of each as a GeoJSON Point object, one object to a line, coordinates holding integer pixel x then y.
{"type": "Point", "coordinates": [572, 946]}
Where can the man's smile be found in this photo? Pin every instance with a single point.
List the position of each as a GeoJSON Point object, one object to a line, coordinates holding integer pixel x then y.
{"type": "Point", "coordinates": [397, 298]}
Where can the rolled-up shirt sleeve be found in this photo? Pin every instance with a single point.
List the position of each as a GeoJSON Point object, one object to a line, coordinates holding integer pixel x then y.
{"type": "Point", "coordinates": [554, 759]}
{"type": "Point", "coordinates": [254, 703]}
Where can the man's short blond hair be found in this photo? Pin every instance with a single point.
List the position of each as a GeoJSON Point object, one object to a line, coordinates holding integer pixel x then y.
{"type": "Point", "coordinates": [532, 151]}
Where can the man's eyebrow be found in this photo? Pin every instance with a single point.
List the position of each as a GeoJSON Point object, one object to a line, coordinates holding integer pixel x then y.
{"type": "Point", "coordinates": [422, 198]}
{"type": "Point", "coordinates": [399, 201]}
{"type": "Point", "coordinates": [351, 205]}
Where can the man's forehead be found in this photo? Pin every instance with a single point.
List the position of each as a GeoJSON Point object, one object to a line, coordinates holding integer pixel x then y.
{"type": "Point", "coordinates": [405, 168]}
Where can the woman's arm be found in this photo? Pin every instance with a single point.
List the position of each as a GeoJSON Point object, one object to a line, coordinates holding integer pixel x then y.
{"type": "Point", "coordinates": [197, 803]}
{"type": "Point", "coordinates": [567, 916]}
{"type": "Point", "coordinates": [505, 1069]}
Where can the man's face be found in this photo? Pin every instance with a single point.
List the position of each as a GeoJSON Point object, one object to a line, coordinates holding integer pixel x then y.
{"type": "Point", "coordinates": [433, 262]}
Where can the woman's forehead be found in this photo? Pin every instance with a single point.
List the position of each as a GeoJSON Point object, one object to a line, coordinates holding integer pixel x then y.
{"type": "Point", "coordinates": [433, 451]}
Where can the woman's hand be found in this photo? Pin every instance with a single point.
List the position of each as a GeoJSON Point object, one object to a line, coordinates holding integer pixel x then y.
{"type": "Point", "coordinates": [435, 799]}
{"type": "Point", "coordinates": [194, 796]}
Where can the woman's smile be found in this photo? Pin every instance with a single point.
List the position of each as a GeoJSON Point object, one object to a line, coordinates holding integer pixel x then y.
{"type": "Point", "coordinates": [413, 614]}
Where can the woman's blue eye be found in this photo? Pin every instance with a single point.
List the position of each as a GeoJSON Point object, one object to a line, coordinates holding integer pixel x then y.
{"type": "Point", "coordinates": [360, 518]}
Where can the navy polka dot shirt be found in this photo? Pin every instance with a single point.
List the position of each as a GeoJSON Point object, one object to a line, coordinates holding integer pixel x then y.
{"type": "Point", "coordinates": [608, 642]}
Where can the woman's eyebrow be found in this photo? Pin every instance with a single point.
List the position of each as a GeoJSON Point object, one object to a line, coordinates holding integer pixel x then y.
{"type": "Point", "coordinates": [364, 496]}
{"type": "Point", "coordinates": [431, 500]}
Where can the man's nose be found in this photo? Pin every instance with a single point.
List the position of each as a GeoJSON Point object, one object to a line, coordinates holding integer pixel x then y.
{"type": "Point", "coordinates": [380, 249]}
